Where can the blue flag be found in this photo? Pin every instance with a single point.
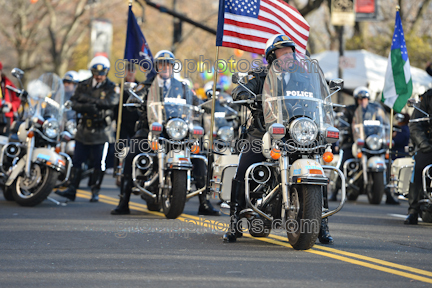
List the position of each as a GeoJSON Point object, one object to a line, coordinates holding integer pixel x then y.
{"type": "Point", "coordinates": [137, 49]}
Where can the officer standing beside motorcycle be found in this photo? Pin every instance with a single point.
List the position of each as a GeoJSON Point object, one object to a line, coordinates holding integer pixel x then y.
{"type": "Point", "coordinates": [277, 47]}
{"type": "Point", "coordinates": [421, 135]}
{"type": "Point", "coordinates": [94, 101]}
{"type": "Point", "coordinates": [164, 62]}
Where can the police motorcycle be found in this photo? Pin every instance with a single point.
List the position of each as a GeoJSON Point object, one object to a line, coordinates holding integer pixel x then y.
{"type": "Point", "coordinates": [36, 161]}
{"type": "Point", "coordinates": [163, 175]}
{"type": "Point", "coordinates": [286, 190]}
{"type": "Point", "coordinates": [365, 173]}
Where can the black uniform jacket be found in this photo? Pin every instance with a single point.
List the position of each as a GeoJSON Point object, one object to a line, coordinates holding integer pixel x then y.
{"type": "Point", "coordinates": [95, 109]}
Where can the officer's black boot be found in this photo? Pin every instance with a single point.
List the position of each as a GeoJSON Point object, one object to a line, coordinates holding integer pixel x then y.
{"type": "Point", "coordinates": [206, 208]}
{"type": "Point", "coordinates": [236, 205]}
{"type": "Point", "coordinates": [95, 188]}
{"type": "Point", "coordinates": [125, 192]}
{"type": "Point", "coordinates": [324, 233]}
{"type": "Point", "coordinates": [70, 193]}
{"type": "Point", "coordinates": [390, 199]}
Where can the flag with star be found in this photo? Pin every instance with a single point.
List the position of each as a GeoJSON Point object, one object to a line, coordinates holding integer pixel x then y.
{"type": "Point", "coordinates": [398, 82]}
{"type": "Point", "coordinates": [248, 24]}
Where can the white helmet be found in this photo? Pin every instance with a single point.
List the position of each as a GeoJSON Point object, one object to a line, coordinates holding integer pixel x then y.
{"type": "Point", "coordinates": [99, 65]}
{"type": "Point", "coordinates": [361, 92]}
{"type": "Point", "coordinates": [71, 76]}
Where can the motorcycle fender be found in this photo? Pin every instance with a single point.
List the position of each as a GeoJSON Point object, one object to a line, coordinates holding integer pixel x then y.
{"type": "Point", "coordinates": [178, 160]}
{"type": "Point", "coordinates": [307, 171]}
{"type": "Point", "coordinates": [16, 170]}
{"type": "Point", "coordinates": [376, 163]}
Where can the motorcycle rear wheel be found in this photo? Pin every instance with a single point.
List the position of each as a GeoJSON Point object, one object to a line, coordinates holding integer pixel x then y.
{"type": "Point", "coordinates": [426, 216]}
{"type": "Point", "coordinates": [307, 220]}
{"type": "Point", "coordinates": [174, 199]}
{"type": "Point", "coordinates": [39, 190]}
{"type": "Point", "coordinates": [375, 190]}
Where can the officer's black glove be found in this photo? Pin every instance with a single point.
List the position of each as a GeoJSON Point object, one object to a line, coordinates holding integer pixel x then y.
{"type": "Point", "coordinates": [243, 96]}
{"type": "Point", "coordinates": [425, 147]}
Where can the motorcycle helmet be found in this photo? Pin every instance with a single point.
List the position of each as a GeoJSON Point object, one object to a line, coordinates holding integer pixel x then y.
{"type": "Point", "coordinates": [208, 88]}
{"type": "Point", "coordinates": [99, 65]}
{"type": "Point", "coordinates": [164, 56]}
{"type": "Point", "coordinates": [71, 76]}
{"type": "Point", "coordinates": [276, 42]}
{"type": "Point", "coordinates": [361, 93]}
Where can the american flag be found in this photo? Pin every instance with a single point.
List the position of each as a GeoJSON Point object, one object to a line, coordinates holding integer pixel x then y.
{"type": "Point", "coordinates": [248, 24]}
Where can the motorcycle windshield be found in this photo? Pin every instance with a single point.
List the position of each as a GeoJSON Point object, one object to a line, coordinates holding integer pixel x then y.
{"type": "Point", "coordinates": [162, 110]}
{"type": "Point", "coordinates": [46, 96]}
{"type": "Point", "coordinates": [370, 121]}
{"type": "Point", "coordinates": [295, 87]}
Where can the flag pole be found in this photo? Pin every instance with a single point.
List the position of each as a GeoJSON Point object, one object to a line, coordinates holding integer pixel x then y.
{"type": "Point", "coordinates": [210, 152]}
{"type": "Point", "coordinates": [391, 131]}
{"type": "Point", "coordinates": [120, 109]}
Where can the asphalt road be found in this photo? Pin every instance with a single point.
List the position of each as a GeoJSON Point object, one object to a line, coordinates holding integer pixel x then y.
{"type": "Point", "coordinates": [82, 245]}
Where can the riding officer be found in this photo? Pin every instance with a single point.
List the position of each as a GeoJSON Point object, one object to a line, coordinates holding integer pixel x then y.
{"type": "Point", "coordinates": [421, 134]}
{"type": "Point", "coordinates": [94, 102]}
{"type": "Point", "coordinates": [277, 47]}
{"type": "Point", "coordinates": [164, 62]}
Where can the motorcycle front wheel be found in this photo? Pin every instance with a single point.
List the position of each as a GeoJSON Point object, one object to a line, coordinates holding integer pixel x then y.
{"type": "Point", "coordinates": [7, 193]}
{"type": "Point", "coordinates": [32, 191]}
{"type": "Point", "coordinates": [174, 198]}
{"type": "Point", "coordinates": [304, 221]}
{"type": "Point", "coordinates": [375, 190]}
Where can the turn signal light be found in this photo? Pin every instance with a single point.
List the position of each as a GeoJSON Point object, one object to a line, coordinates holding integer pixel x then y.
{"type": "Point", "coordinates": [359, 155]}
{"type": "Point", "coordinates": [57, 149]}
{"type": "Point", "coordinates": [275, 154]}
{"type": "Point", "coordinates": [195, 149]}
{"type": "Point", "coordinates": [315, 171]}
{"type": "Point", "coordinates": [328, 157]}
{"type": "Point", "coordinates": [30, 134]}
{"type": "Point", "coordinates": [155, 145]}
{"type": "Point", "coordinates": [387, 156]}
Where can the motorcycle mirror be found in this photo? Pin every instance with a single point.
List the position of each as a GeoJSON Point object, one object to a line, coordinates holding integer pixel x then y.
{"type": "Point", "coordinates": [68, 105]}
{"type": "Point", "coordinates": [17, 73]}
{"type": "Point", "coordinates": [235, 78]}
{"type": "Point", "coordinates": [130, 85]}
{"type": "Point", "coordinates": [412, 102]}
{"type": "Point", "coordinates": [336, 84]}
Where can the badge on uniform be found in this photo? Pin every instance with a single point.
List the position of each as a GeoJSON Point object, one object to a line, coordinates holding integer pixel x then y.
{"type": "Point", "coordinates": [89, 123]}
{"type": "Point", "coordinates": [103, 94]}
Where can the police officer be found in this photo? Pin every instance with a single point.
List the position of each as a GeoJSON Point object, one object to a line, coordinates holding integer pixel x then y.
{"type": "Point", "coordinates": [347, 140]}
{"type": "Point", "coordinates": [277, 47]}
{"type": "Point", "coordinates": [93, 101]}
{"type": "Point", "coordinates": [164, 62]}
{"type": "Point", "coordinates": [421, 135]}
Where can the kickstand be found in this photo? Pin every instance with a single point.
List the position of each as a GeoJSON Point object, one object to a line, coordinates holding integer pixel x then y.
{"type": "Point", "coordinates": [57, 202]}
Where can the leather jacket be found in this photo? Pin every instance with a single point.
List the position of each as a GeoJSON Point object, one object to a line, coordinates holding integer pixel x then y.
{"type": "Point", "coordinates": [421, 132]}
{"type": "Point", "coordinates": [95, 111]}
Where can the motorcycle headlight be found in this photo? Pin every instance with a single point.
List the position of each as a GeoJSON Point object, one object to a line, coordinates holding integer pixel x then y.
{"type": "Point", "coordinates": [51, 128]}
{"type": "Point", "coordinates": [71, 127]}
{"type": "Point", "coordinates": [303, 131]}
{"type": "Point", "coordinates": [177, 129]}
{"type": "Point", "coordinates": [226, 133]}
{"type": "Point", "coordinates": [373, 142]}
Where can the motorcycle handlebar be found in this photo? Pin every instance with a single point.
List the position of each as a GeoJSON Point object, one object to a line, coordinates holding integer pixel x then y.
{"type": "Point", "coordinates": [18, 91]}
